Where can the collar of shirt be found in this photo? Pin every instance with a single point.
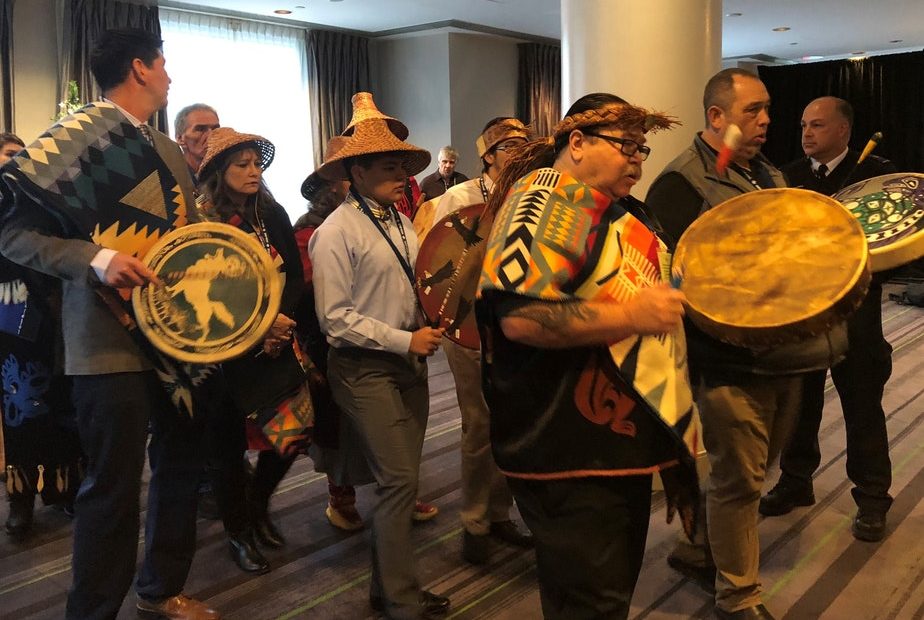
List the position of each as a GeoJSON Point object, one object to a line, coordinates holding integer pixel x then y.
{"type": "Point", "coordinates": [131, 119]}
{"type": "Point", "coordinates": [371, 202]}
{"type": "Point", "coordinates": [488, 182]}
{"type": "Point", "coordinates": [831, 164]}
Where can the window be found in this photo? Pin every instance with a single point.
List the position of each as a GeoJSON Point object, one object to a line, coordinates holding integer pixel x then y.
{"type": "Point", "coordinates": [254, 75]}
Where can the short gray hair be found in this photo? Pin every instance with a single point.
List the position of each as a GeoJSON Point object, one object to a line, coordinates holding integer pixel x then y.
{"type": "Point", "coordinates": [449, 152]}
{"type": "Point", "coordinates": [179, 123]}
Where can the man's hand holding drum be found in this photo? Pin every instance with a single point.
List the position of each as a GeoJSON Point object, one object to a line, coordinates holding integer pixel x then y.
{"type": "Point", "coordinates": [126, 271]}
{"type": "Point", "coordinates": [655, 310]}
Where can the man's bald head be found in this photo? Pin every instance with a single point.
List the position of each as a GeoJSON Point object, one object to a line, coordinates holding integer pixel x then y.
{"type": "Point", "coordinates": [826, 124]}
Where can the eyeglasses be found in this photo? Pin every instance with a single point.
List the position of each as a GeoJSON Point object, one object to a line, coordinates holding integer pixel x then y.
{"type": "Point", "coordinates": [508, 146]}
{"type": "Point", "coordinates": [626, 147]}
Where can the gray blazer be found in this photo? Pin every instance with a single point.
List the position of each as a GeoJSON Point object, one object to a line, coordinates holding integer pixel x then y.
{"type": "Point", "coordinates": [94, 341]}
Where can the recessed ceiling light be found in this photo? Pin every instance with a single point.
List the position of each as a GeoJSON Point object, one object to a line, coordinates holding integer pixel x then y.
{"type": "Point", "coordinates": [812, 57]}
{"type": "Point", "coordinates": [782, 29]}
{"type": "Point", "coordinates": [895, 41]}
{"type": "Point", "coordinates": [794, 43]}
{"type": "Point", "coordinates": [282, 12]}
{"type": "Point", "coordinates": [299, 6]}
{"type": "Point", "coordinates": [857, 53]}
{"type": "Point", "coordinates": [733, 14]}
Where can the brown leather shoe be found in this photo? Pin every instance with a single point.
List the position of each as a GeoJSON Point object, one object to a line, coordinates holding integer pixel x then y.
{"type": "Point", "coordinates": [177, 607]}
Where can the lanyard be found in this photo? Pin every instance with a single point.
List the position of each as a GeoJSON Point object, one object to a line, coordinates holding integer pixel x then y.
{"type": "Point", "coordinates": [404, 260]}
{"type": "Point", "coordinates": [484, 190]}
{"type": "Point", "coordinates": [747, 175]}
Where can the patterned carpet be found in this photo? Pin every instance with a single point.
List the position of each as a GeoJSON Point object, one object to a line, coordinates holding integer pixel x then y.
{"type": "Point", "coordinates": [811, 565]}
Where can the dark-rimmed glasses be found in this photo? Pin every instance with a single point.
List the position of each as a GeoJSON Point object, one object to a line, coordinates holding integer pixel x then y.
{"type": "Point", "coordinates": [626, 146]}
{"type": "Point", "coordinates": [508, 146]}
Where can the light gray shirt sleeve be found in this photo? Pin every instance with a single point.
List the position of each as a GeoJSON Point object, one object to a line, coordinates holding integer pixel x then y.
{"type": "Point", "coordinates": [334, 274]}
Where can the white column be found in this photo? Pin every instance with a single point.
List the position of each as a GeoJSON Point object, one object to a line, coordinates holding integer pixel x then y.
{"type": "Point", "coordinates": [657, 54]}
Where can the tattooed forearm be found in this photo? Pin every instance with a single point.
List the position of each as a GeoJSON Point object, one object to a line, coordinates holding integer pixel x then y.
{"type": "Point", "coordinates": [556, 317]}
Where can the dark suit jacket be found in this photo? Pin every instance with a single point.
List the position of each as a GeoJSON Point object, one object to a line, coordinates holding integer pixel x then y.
{"type": "Point", "coordinates": [799, 173]}
{"type": "Point", "coordinates": [94, 341]}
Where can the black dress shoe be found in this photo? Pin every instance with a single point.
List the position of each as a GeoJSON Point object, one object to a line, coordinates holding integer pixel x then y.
{"type": "Point", "coordinates": [19, 521]}
{"type": "Point", "coordinates": [475, 549]}
{"type": "Point", "coordinates": [431, 605]}
{"type": "Point", "coordinates": [508, 532]}
{"type": "Point", "coordinates": [869, 525]}
{"type": "Point", "coordinates": [784, 497]}
{"type": "Point", "coordinates": [267, 534]}
{"type": "Point", "coordinates": [245, 554]}
{"type": "Point", "coordinates": [757, 612]}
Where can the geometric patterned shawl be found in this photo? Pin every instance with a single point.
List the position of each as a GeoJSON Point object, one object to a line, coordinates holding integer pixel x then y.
{"type": "Point", "coordinates": [102, 181]}
{"type": "Point", "coordinates": [557, 239]}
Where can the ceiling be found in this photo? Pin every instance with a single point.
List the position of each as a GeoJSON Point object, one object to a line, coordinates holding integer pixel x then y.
{"type": "Point", "coordinates": [827, 28]}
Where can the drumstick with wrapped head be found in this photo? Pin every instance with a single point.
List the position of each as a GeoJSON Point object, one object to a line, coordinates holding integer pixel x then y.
{"type": "Point", "coordinates": [873, 142]}
{"type": "Point", "coordinates": [730, 142]}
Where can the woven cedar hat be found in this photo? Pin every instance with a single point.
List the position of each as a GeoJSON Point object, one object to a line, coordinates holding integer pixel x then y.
{"type": "Point", "coordinates": [364, 109]}
{"type": "Point", "coordinates": [370, 133]}
{"type": "Point", "coordinates": [498, 132]}
{"type": "Point", "coordinates": [224, 141]}
{"type": "Point", "coordinates": [315, 182]}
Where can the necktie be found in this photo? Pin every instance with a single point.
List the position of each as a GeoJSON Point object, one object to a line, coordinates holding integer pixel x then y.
{"type": "Point", "coordinates": [822, 171]}
{"type": "Point", "coordinates": [146, 132]}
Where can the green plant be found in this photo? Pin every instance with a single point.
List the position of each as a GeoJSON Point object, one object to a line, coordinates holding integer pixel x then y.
{"type": "Point", "coordinates": [72, 103]}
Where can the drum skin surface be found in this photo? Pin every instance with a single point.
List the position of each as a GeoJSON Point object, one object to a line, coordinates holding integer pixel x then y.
{"type": "Point", "coordinates": [772, 267]}
{"type": "Point", "coordinates": [220, 293]}
{"type": "Point", "coordinates": [890, 208]}
{"type": "Point", "coordinates": [448, 269]}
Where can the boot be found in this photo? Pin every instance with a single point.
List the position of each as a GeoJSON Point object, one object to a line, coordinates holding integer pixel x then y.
{"type": "Point", "coordinates": [341, 508]}
{"type": "Point", "coordinates": [19, 521]}
{"type": "Point", "coordinates": [245, 554]}
{"type": "Point", "coordinates": [270, 470]}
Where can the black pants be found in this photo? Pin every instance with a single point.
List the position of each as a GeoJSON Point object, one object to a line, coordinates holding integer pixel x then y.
{"type": "Point", "coordinates": [860, 380]}
{"type": "Point", "coordinates": [114, 412]}
{"type": "Point", "coordinates": [590, 540]}
{"type": "Point", "coordinates": [227, 442]}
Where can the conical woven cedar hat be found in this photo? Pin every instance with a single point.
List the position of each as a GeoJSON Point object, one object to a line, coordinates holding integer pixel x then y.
{"type": "Point", "coordinates": [370, 135]}
{"type": "Point", "coordinates": [314, 182]}
{"type": "Point", "coordinates": [364, 109]}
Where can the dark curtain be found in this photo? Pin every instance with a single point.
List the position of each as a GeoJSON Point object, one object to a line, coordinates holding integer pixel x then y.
{"type": "Point", "coordinates": [338, 67]}
{"type": "Point", "coordinates": [6, 65]}
{"type": "Point", "coordinates": [539, 86]}
{"type": "Point", "coordinates": [84, 21]}
{"type": "Point", "coordinates": [886, 92]}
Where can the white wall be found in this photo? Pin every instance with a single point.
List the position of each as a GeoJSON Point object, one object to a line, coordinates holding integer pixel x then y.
{"type": "Point", "coordinates": [35, 68]}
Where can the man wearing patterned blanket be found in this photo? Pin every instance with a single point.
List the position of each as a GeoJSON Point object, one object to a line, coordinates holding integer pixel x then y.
{"type": "Point", "coordinates": [584, 358]}
{"type": "Point", "coordinates": [82, 203]}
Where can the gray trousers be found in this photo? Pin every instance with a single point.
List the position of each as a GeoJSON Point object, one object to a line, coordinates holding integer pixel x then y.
{"type": "Point", "coordinates": [386, 399]}
{"type": "Point", "coordinates": [485, 495]}
{"type": "Point", "coordinates": [746, 422]}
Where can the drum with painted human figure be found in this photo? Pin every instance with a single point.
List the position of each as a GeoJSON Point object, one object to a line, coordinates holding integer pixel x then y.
{"type": "Point", "coordinates": [220, 294]}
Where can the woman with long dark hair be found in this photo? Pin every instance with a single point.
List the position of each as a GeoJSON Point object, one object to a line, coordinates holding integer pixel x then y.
{"type": "Point", "coordinates": [234, 192]}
